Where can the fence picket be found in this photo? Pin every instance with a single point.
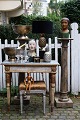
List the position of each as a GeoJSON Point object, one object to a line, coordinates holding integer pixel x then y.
{"type": "Point", "coordinates": [0, 66]}
{"type": "Point", "coordinates": [75, 60]}
{"type": "Point", "coordinates": [55, 46]}
{"type": "Point", "coordinates": [73, 72]}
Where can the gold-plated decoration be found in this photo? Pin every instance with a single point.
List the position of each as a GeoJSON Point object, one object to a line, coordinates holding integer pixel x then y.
{"type": "Point", "coordinates": [11, 52]}
{"type": "Point", "coordinates": [7, 68]}
{"type": "Point", "coordinates": [22, 30]}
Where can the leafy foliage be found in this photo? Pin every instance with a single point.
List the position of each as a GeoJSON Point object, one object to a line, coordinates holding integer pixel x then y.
{"type": "Point", "coordinates": [20, 20]}
{"type": "Point", "coordinates": [6, 32]}
{"type": "Point", "coordinates": [14, 91]}
{"type": "Point", "coordinates": [54, 7]}
{"type": "Point", "coordinates": [24, 19]}
{"type": "Point", "coordinates": [37, 8]}
{"type": "Point", "coordinates": [72, 11]}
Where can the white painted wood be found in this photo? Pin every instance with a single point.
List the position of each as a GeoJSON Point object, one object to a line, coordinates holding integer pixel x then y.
{"type": "Point", "coordinates": [6, 45]}
{"type": "Point", "coordinates": [69, 66]}
{"type": "Point", "coordinates": [56, 58]}
{"type": "Point", "coordinates": [55, 46]}
{"type": "Point", "coordinates": [49, 44]}
{"type": "Point", "coordinates": [56, 49]}
{"type": "Point", "coordinates": [0, 66]}
{"type": "Point", "coordinates": [37, 48]}
{"type": "Point", "coordinates": [79, 63]}
{"type": "Point", "coordinates": [59, 78]}
{"type": "Point", "coordinates": [75, 58]}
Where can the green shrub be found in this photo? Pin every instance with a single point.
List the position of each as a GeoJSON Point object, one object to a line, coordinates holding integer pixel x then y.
{"type": "Point", "coordinates": [6, 32]}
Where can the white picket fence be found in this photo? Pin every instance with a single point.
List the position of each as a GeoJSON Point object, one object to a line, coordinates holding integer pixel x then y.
{"type": "Point", "coordinates": [73, 62]}
{"type": "Point", "coordinates": [75, 59]}
{"type": "Point", "coordinates": [15, 75]}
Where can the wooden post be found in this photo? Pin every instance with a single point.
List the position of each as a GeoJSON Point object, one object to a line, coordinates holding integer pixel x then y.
{"type": "Point", "coordinates": [63, 100]}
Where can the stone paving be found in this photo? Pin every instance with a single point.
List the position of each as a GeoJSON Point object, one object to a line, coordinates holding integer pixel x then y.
{"type": "Point", "coordinates": [34, 110]}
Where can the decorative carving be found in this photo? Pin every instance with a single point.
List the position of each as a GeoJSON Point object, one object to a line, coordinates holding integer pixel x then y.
{"type": "Point", "coordinates": [52, 78]}
{"type": "Point", "coordinates": [53, 69]}
{"type": "Point", "coordinates": [7, 68]}
{"type": "Point", "coordinates": [8, 78]}
{"type": "Point", "coordinates": [53, 85]}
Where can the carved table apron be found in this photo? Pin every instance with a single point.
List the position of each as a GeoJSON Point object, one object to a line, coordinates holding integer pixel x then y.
{"type": "Point", "coordinates": [45, 67]}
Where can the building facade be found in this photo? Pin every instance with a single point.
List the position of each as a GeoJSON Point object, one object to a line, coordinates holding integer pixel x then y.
{"type": "Point", "coordinates": [13, 8]}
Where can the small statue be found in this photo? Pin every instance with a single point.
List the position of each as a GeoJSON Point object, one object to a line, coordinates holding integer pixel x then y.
{"type": "Point", "coordinates": [28, 81]}
{"type": "Point", "coordinates": [64, 26]}
{"type": "Point", "coordinates": [32, 48]}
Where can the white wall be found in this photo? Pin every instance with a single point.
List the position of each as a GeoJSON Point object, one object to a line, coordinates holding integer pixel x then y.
{"type": "Point", "coordinates": [8, 5]}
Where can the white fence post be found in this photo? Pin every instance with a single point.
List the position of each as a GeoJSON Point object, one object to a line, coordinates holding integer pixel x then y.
{"type": "Point", "coordinates": [56, 49]}
{"type": "Point", "coordinates": [55, 46]}
{"type": "Point", "coordinates": [69, 66]}
{"type": "Point", "coordinates": [37, 48]}
{"type": "Point", "coordinates": [1, 73]}
{"type": "Point", "coordinates": [75, 60]}
{"type": "Point", "coordinates": [49, 44]}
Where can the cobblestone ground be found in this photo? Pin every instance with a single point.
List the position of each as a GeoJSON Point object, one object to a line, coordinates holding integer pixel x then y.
{"type": "Point", "coordinates": [34, 110]}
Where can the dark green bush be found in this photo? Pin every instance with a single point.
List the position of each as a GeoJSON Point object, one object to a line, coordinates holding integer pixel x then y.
{"type": "Point", "coordinates": [6, 32]}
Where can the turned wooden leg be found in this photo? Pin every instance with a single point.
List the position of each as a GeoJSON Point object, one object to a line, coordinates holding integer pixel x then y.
{"type": "Point", "coordinates": [8, 85]}
{"type": "Point", "coordinates": [49, 88]}
{"type": "Point", "coordinates": [52, 90]}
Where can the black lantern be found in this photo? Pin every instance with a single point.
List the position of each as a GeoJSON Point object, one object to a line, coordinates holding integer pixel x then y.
{"type": "Point", "coordinates": [42, 27]}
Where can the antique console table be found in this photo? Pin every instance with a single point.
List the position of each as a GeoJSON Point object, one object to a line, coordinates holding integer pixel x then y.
{"type": "Point", "coordinates": [24, 67]}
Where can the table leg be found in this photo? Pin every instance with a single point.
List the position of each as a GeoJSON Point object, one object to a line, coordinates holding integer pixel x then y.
{"type": "Point", "coordinates": [49, 88]}
{"type": "Point", "coordinates": [52, 90]}
{"type": "Point", "coordinates": [8, 85]}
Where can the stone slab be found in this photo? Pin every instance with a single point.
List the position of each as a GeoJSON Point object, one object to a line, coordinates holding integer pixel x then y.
{"type": "Point", "coordinates": [59, 104]}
